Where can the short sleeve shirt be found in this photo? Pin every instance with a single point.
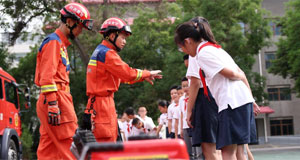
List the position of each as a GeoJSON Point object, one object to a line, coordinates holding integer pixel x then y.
{"type": "Point", "coordinates": [193, 69]}
{"type": "Point", "coordinates": [163, 120]}
{"type": "Point", "coordinates": [183, 109]}
{"type": "Point", "coordinates": [226, 92]}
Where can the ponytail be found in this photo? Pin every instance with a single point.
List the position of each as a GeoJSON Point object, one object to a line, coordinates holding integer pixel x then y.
{"type": "Point", "coordinates": [197, 29]}
{"type": "Point", "coordinates": [203, 28]}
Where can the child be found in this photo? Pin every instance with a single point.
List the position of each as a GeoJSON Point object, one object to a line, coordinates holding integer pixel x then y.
{"type": "Point", "coordinates": [163, 120]}
{"type": "Point", "coordinates": [174, 114]}
{"type": "Point", "coordinates": [228, 83]}
{"type": "Point", "coordinates": [180, 91]}
{"type": "Point", "coordinates": [183, 108]}
{"type": "Point", "coordinates": [142, 112]}
{"type": "Point", "coordinates": [128, 115]}
{"type": "Point", "coordinates": [141, 127]}
{"type": "Point", "coordinates": [186, 60]}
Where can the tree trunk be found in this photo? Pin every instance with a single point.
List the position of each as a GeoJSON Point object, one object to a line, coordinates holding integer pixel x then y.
{"type": "Point", "coordinates": [83, 55]}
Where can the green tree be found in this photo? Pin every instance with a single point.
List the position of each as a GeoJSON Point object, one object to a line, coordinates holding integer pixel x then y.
{"type": "Point", "coordinates": [6, 59]}
{"type": "Point", "coordinates": [287, 62]}
{"type": "Point", "coordinates": [24, 74]}
{"type": "Point", "coordinates": [19, 13]}
{"type": "Point", "coordinates": [151, 46]}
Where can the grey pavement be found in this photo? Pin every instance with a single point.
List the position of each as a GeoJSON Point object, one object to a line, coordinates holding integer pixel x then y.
{"type": "Point", "coordinates": [277, 143]}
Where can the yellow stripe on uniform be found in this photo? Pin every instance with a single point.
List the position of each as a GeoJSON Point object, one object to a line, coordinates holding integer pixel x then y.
{"type": "Point", "coordinates": [63, 54]}
{"type": "Point", "coordinates": [48, 88]}
{"type": "Point", "coordinates": [93, 62]}
{"type": "Point", "coordinates": [139, 75]}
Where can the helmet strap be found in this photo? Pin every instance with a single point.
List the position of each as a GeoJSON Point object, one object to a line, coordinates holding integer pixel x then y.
{"type": "Point", "coordinates": [72, 36]}
{"type": "Point", "coordinates": [114, 42]}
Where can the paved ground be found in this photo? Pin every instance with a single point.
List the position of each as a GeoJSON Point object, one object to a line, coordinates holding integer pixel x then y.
{"type": "Point", "coordinates": [267, 147]}
{"type": "Point", "coordinates": [277, 148]}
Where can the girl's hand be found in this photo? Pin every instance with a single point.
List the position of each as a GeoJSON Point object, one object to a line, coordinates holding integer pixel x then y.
{"type": "Point", "coordinates": [256, 109]}
{"type": "Point", "coordinates": [189, 119]}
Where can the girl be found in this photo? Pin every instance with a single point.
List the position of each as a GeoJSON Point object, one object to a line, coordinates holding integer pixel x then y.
{"type": "Point", "coordinates": [228, 84]}
{"type": "Point", "coordinates": [163, 119]}
{"type": "Point", "coordinates": [205, 121]}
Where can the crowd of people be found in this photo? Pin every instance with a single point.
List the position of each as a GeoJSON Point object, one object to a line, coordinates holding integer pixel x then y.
{"type": "Point", "coordinates": [212, 108]}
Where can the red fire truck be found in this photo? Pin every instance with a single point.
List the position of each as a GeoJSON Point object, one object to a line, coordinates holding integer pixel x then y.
{"type": "Point", "coordinates": [10, 122]}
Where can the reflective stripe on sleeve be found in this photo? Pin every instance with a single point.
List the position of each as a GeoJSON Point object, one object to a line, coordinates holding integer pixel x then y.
{"type": "Point", "coordinates": [139, 75]}
{"type": "Point", "coordinates": [93, 62]}
{"type": "Point", "coordinates": [48, 88]}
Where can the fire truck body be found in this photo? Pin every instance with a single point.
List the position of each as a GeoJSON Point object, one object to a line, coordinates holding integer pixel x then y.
{"type": "Point", "coordinates": [10, 122]}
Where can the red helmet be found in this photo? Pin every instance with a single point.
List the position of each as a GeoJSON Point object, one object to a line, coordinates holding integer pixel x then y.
{"type": "Point", "coordinates": [115, 24]}
{"type": "Point", "coordinates": [78, 12]}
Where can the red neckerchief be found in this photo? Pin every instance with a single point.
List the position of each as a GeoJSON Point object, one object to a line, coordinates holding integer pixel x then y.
{"type": "Point", "coordinates": [185, 102]}
{"type": "Point", "coordinates": [200, 70]}
{"type": "Point", "coordinates": [128, 129]}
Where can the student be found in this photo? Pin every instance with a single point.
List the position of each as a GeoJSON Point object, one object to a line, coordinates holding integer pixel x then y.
{"type": "Point", "coordinates": [54, 107]}
{"type": "Point", "coordinates": [228, 83]}
{"type": "Point", "coordinates": [180, 91]}
{"type": "Point", "coordinates": [142, 112]}
{"type": "Point", "coordinates": [174, 114]}
{"type": "Point", "coordinates": [121, 121]}
{"type": "Point", "coordinates": [194, 80]}
{"type": "Point", "coordinates": [183, 108]}
{"type": "Point", "coordinates": [105, 72]}
{"type": "Point", "coordinates": [128, 115]}
{"type": "Point", "coordinates": [163, 118]}
{"type": "Point", "coordinates": [186, 60]}
{"type": "Point", "coordinates": [141, 127]}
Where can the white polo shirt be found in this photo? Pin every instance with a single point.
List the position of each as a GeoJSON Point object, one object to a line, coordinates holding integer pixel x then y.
{"type": "Point", "coordinates": [148, 120]}
{"type": "Point", "coordinates": [225, 91]}
{"type": "Point", "coordinates": [163, 119]}
{"type": "Point", "coordinates": [193, 70]}
{"type": "Point", "coordinates": [126, 127]}
{"type": "Point", "coordinates": [183, 109]}
{"type": "Point", "coordinates": [174, 113]}
{"type": "Point", "coordinates": [135, 131]}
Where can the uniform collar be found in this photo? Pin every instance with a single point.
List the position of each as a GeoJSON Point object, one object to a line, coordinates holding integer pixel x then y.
{"type": "Point", "coordinates": [200, 45]}
{"type": "Point", "coordinates": [109, 45]}
{"type": "Point", "coordinates": [62, 37]}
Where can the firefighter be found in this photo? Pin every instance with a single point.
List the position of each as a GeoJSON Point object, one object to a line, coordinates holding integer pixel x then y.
{"type": "Point", "coordinates": [105, 72]}
{"type": "Point", "coordinates": [55, 106]}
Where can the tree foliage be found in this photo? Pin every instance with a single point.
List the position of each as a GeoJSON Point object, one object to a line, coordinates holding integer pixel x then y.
{"type": "Point", "coordinates": [150, 47]}
{"type": "Point", "coordinates": [287, 63]}
{"type": "Point", "coordinates": [19, 13]}
{"type": "Point", "coordinates": [6, 59]}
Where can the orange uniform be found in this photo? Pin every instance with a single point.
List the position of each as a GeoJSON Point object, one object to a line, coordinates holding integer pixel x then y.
{"type": "Point", "coordinates": [105, 72]}
{"type": "Point", "coordinates": [52, 75]}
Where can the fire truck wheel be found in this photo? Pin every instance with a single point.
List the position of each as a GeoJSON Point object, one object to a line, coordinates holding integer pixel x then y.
{"type": "Point", "coordinates": [12, 151]}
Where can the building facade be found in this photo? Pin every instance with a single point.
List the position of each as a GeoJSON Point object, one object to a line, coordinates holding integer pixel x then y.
{"type": "Point", "coordinates": [286, 105]}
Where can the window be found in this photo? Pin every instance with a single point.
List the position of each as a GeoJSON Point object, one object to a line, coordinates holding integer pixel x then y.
{"type": "Point", "coordinates": [279, 94]}
{"type": "Point", "coordinates": [269, 56]}
{"type": "Point", "coordinates": [11, 93]}
{"type": "Point", "coordinates": [275, 28]}
{"type": "Point", "coordinates": [281, 126]}
{"type": "Point", "coordinates": [1, 89]}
